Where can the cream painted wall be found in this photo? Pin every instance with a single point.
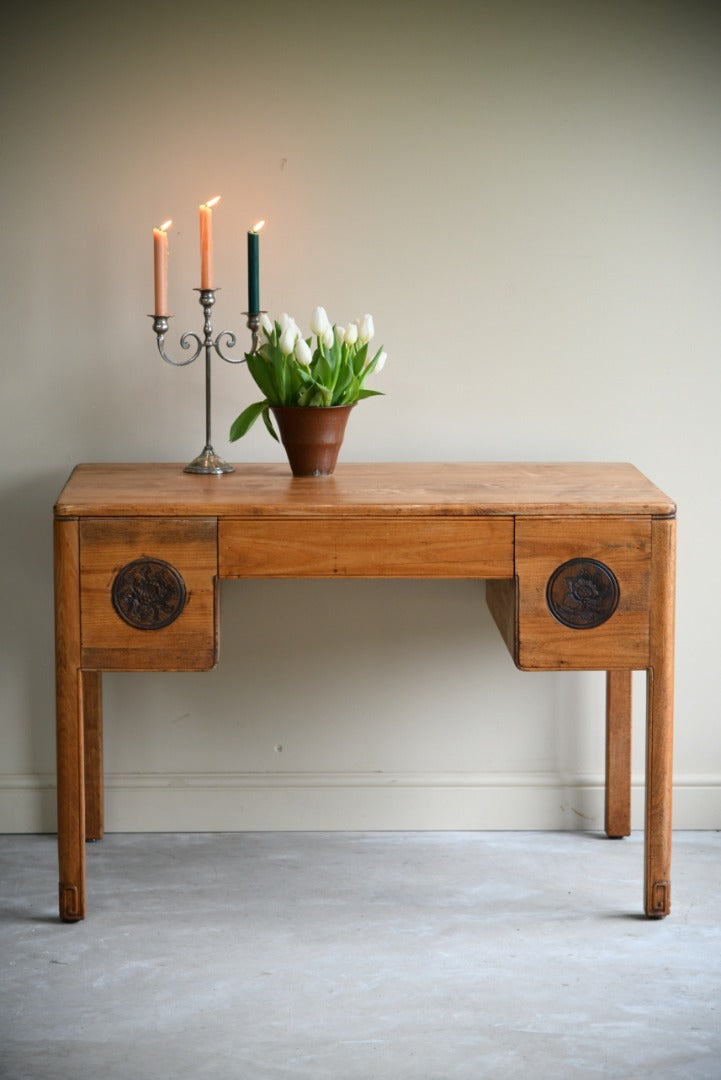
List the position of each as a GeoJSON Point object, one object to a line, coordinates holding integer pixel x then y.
{"type": "Point", "coordinates": [526, 196]}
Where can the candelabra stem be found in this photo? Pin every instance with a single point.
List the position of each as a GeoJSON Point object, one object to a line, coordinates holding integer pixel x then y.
{"type": "Point", "coordinates": [207, 461]}
{"type": "Point", "coordinates": [207, 395]}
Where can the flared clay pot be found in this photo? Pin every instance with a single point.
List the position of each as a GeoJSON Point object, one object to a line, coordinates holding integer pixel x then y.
{"type": "Point", "coordinates": [312, 436]}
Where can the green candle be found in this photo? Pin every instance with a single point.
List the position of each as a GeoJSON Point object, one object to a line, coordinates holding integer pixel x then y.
{"type": "Point", "coordinates": [253, 269]}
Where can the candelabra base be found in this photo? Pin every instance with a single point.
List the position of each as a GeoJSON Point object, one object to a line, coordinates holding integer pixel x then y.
{"type": "Point", "coordinates": [207, 462]}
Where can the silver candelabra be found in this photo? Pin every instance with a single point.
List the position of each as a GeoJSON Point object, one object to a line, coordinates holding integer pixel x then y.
{"type": "Point", "coordinates": [207, 461]}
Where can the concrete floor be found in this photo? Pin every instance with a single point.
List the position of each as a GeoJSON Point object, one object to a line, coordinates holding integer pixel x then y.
{"type": "Point", "coordinates": [414, 956]}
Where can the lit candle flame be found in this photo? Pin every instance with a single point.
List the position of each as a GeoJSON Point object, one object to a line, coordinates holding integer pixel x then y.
{"type": "Point", "coordinates": [212, 202]}
{"type": "Point", "coordinates": [258, 226]}
{"type": "Point", "coordinates": [166, 225]}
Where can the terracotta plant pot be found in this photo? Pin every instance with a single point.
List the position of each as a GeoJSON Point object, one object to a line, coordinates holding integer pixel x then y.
{"type": "Point", "coordinates": [312, 436]}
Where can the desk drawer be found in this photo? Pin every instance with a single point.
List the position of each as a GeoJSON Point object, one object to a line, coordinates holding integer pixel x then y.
{"type": "Point", "coordinates": [583, 593]}
{"type": "Point", "coordinates": [148, 594]}
{"type": "Point", "coordinates": [452, 547]}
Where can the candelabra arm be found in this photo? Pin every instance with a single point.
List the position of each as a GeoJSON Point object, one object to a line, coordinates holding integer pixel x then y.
{"type": "Point", "coordinates": [161, 325]}
{"type": "Point", "coordinates": [187, 340]}
{"type": "Point", "coordinates": [231, 343]}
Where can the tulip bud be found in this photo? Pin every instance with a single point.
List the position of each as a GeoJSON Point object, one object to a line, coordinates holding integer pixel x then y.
{"type": "Point", "coordinates": [302, 352]}
{"type": "Point", "coordinates": [366, 330]}
{"type": "Point", "coordinates": [328, 337]}
{"type": "Point", "coordinates": [287, 339]}
{"type": "Point", "coordinates": [266, 323]}
{"type": "Point", "coordinates": [351, 333]}
{"type": "Point", "coordinates": [319, 322]}
{"type": "Point", "coordinates": [340, 334]}
{"type": "Point", "coordinates": [381, 361]}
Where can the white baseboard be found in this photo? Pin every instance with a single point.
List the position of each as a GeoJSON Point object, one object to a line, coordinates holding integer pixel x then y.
{"type": "Point", "coordinates": [209, 802]}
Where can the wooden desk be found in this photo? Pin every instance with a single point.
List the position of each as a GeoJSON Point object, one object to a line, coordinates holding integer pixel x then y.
{"type": "Point", "coordinates": [579, 561]}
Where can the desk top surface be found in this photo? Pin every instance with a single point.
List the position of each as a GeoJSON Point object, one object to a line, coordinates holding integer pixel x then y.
{"type": "Point", "coordinates": [370, 490]}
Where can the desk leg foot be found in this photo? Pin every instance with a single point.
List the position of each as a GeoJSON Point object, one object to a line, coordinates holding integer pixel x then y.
{"type": "Point", "coordinates": [659, 724]}
{"type": "Point", "coordinates": [618, 753]}
{"type": "Point", "coordinates": [71, 909]}
{"type": "Point", "coordinates": [660, 900]}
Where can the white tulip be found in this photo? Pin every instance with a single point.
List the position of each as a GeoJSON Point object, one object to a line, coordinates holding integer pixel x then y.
{"type": "Point", "coordinates": [266, 323]}
{"type": "Point", "coordinates": [302, 353]}
{"type": "Point", "coordinates": [328, 337]}
{"type": "Point", "coordinates": [366, 330]}
{"type": "Point", "coordinates": [381, 361]}
{"type": "Point", "coordinates": [287, 339]}
{"type": "Point", "coordinates": [285, 320]}
{"type": "Point", "coordinates": [319, 322]}
{"type": "Point", "coordinates": [351, 333]}
{"type": "Point", "coordinates": [340, 334]}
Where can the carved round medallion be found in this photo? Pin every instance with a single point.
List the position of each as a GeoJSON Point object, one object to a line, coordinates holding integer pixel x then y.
{"type": "Point", "coordinates": [148, 594]}
{"type": "Point", "coordinates": [582, 593]}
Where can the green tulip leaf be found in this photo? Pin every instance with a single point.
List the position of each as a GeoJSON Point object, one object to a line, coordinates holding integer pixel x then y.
{"type": "Point", "coordinates": [247, 418]}
{"type": "Point", "coordinates": [269, 423]}
{"type": "Point", "coordinates": [360, 358]}
{"type": "Point", "coordinates": [261, 371]}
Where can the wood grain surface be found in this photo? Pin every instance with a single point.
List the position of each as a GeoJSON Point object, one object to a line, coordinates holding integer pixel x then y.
{"type": "Point", "coordinates": [413, 489]}
{"type": "Point", "coordinates": [423, 547]}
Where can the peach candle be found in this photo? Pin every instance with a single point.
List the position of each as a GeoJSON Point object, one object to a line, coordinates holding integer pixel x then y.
{"type": "Point", "coordinates": [206, 242]}
{"type": "Point", "coordinates": [160, 251]}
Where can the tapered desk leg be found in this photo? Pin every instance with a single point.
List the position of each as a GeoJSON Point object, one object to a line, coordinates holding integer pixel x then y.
{"type": "Point", "coordinates": [69, 723]}
{"type": "Point", "coordinates": [659, 725]}
{"type": "Point", "coordinates": [92, 690]}
{"type": "Point", "coordinates": [618, 753]}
